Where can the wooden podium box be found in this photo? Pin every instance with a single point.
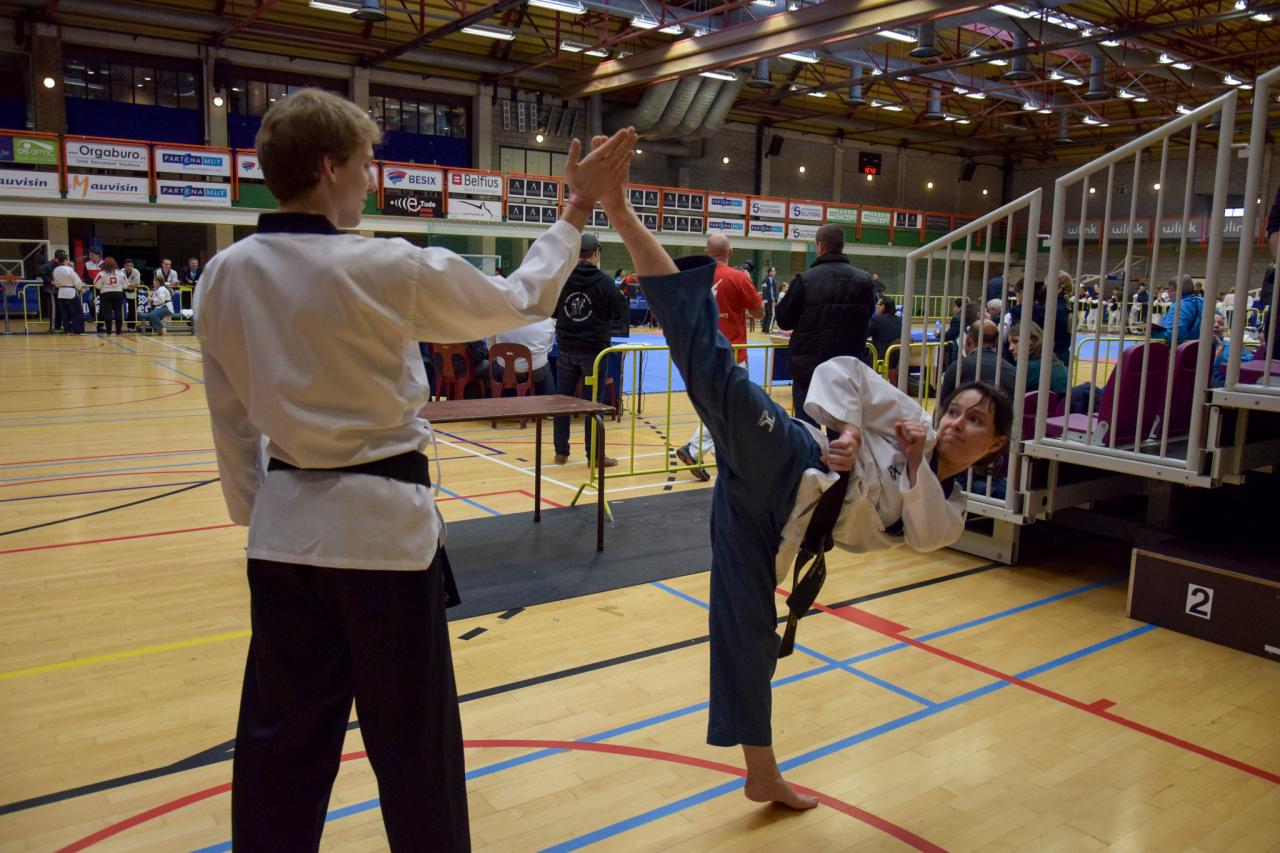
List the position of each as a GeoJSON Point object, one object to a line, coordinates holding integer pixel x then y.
{"type": "Point", "coordinates": [1224, 597]}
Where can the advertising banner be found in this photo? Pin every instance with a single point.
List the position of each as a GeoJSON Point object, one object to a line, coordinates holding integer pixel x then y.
{"type": "Point", "coordinates": [416, 180]}
{"type": "Point", "coordinates": [474, 209]}
{"type": "Point", "coordinates": [640, 197]}
{"type": "Point", "coordinates": [875, 217]}
{"type": "Point", "coordinates": [731, 205]}
{"type": "Point", "coordinates": [108, 188]}
{"type": "Point", "coordinates": [474, 183]}
{"type": "Point", "coordinates": [773, 230]}
{"type": "Point", "coordinates": [1172, 229]}
{"type": "Point", "coordinates": [807, 233]}
{"type": "Point", "coordinates": [842, 215]}
{"type": "Point", "coordinates": [532, 213]}
{"type": "Point", "coordinates": [532, 188]}
{"type": "Point", "coordinates": [906, 220]}
{"type": "Point", "coordinates": [402, 202]}
{"type": "Point", "coordinates": [803, 212]}
{"type": "Point", "coordinates": [1091, 230]}
{"type": "Point", "coordinates": [84, 154]}
{"type": "Point", "coordinates": [187, 161]}
{"type": "Point", "coordinates": [720, 225]}
{"type": "Point", "coordinates": [33, 151]}
{"type": "Point", "coordinates": [1120, 230]}
{"type": "Point", "coordinates": [768, 208]}
{"type": "Point", "coordinates": [30, 184]}
{"type": "Point", "coordinates": [195, 193]}
{"type": "Point", "coordinates": [248, 167]}
{"type": "Point", "coordinates": [676, 200]}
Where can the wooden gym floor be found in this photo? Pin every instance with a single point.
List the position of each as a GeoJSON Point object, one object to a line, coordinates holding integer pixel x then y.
{"type": "Point", "coordinates": [939, 703]}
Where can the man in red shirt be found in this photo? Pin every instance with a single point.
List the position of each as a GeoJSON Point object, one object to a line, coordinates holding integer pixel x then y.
{"type": "Point", "coordinates": [737, 298]}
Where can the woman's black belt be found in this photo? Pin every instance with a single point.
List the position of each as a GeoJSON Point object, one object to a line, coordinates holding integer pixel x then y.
{"type": "Point", "coordinates": [409, 467]}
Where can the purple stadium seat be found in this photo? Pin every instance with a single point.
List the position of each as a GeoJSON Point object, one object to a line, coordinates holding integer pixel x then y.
{"type": "Point", "coordinates": [1124, 400]}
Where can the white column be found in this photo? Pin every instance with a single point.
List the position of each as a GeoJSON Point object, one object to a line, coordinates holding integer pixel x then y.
{"type": "Point", "coordinates": [360, 87]}
{"type": "Point", "coordinates": [482, 130]}
{"type": "Point", "coordinates": [58, 233]}
{"type": "Point", "coordinates": [223, 236]}
{"type": "Point", "coordinates": [837, 170]}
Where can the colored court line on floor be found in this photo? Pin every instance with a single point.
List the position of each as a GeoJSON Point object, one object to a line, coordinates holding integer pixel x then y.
{"type": "Point", "coordinates": [96, 492]}
{"type": "Point", "coordinates": [115, 538]}
{"type": "Point", "coordinates": [185, 388]}
{"type": "Point", "coordinates": [45, 463]}
{"type": "Point", "coordinates": [123, 655]}
{"type": "Point", "coordinates": [177, 371]}
{"type": "Point", "coordinates": [202, 414]}
{"type": "Point", "coordinates": [6, 482]}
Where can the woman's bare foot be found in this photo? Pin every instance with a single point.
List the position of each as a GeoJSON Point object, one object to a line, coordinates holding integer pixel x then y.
{"type": "Point", "coordinates": [765, 783]}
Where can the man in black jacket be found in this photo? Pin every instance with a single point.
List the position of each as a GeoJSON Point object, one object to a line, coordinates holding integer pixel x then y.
{"type": "Point", "coordinates": [589, 305]}
{"type": "Point", "coordinates": [981, 361]}
{"type": "Point", "coordinates": [48, 300]}
{"type": "Point", "coordinates": [827, 307]}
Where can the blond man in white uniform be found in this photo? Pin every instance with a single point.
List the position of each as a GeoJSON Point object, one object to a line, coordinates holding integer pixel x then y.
{"type": "Point", "coordinates": [314, 384]}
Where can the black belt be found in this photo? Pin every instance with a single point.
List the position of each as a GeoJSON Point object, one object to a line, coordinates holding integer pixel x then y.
{"type": "Point", "coordinates": [813, 549]}
{"type": "Point", "coordinates": [409, 467]}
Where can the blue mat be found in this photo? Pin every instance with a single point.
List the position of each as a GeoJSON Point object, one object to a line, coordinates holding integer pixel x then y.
{"type": "Point", "coordinates": [653, 377]}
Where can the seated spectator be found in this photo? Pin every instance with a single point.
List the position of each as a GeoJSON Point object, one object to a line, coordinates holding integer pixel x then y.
{"type": "Point", "coordinates": [1035, 343]}
{"type": "Point", "coordinates": [1061, 322]}
{"type": "Point", "coordinates": [963, 315]}
{"type": "Point", "coordinates": [1183, 316]}
{"type": "Point", "coordinates": [981, 361]}
{"type": "Point", "coordinates": [161, 306]}
{"type": "Point", "coordinates": [1222, 352]}
{"type": "Point", "coordinates": [884, 329]}
{"type": "Point", "coordinates": [538, 337]}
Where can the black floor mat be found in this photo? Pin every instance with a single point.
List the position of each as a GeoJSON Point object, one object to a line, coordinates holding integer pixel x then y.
{"type": "Point", "coordinates": [507, 562]}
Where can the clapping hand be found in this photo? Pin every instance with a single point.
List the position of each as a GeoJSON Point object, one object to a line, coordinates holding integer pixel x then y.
{"type": "Point", "coordinates": [604, 171]}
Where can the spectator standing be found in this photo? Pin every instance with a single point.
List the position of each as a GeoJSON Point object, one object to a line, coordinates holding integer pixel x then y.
{"type": "Point", "coordinates": [981, 362]}
{"type": "Point", "coordinates": [828, 310]}
{"type": "Point", "coordinates": [92, 267]}
{"type": "Point", "coordinates": [49, 290]}
{"type": "Point", "coordinates": [539, 338]}
{"type": "Point", "coordinates": [1141, 301]}
{"type": "Point", "coordinates": [132, 278]}
{"type": "Point", "coordinates": [769, 296]}
{"type": "Point", "coordinates": [736, 299]}
{"type": "Point", "coordinates": [877, 285]}
{"type": "Point", "coordinates": [588, 307]}
{"type": "Point", "coordinates": [70, 308]}
{"type": "Point", "coordinates": [111, 284]}
{"type": "Point", "coordinates": [995, 288]}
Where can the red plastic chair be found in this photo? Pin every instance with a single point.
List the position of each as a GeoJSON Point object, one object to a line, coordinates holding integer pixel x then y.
{"type": "Point", "coordinates": [451, 384]}
{"type": "Point", "coordinates": [511, 355]}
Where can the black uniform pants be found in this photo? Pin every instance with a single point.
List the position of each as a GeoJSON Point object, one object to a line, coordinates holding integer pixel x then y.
{"type": "Point", "coordinates": [113, 309]}
{"type": "Point", "coordinates": [322, 637]}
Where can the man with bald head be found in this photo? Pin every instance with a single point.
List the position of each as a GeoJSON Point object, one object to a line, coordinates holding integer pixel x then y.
{"type": "Point", "coordinates": [736, 297]}
{"type": "Point", "coordinates": [827, 308]}
{"type": "Point", "coordinates": [982, 361]}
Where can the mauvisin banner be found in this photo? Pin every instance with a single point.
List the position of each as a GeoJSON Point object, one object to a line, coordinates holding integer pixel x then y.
{"type": "Point", "coordinates": [107, 188]}
{"type": "Point", "coordinates": [29, 183]}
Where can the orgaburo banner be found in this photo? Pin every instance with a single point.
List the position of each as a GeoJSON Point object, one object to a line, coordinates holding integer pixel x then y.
{"type": "Point", "coordinates": [86, 154]}
{"type": "Point", "coordinates": [193, 193]}
{"type": "Point", "coordinates": [188, 161]}
{"type": "Point", "coordinates": [29, 183]}
{"type": "Point", "coordinates": [107, 188]}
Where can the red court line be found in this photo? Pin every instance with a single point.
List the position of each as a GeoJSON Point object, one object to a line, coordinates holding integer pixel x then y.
{"type": "Point", "coordinates": [545, 500]}
{"type": "Point", "coordinates": [901, 833]}
{"type": "Point", "coordinates": [94, 476]}
{"type": "Point", "coordinates": [106, 456]}
{"type": "Point", "coordinates": [115, 539]}
{"type": "Point", "coordinates": [1097, 709]}
{"type": "Point", "coordinates": [185, 388]}
{"type": "Point", "coordinates": [81, 388]}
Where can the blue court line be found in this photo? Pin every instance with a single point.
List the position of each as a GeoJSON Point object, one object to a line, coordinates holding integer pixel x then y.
{"type": "Point", "coordinates": [115, 470]}
{"type": "Point", "coordinates": [821, 752]}
{"type": "Point", "coordinates": [122, 346]}
{"type": "Point", "coordinates": [177, 371]}
{"type": "Point", "coordinates": [701, 706]}
{"type": "Point", "coordinates": [475, 504]}
{"type": "Point", "coordinates": [456, 437]}
{"type": "Point", "coordinates": [98, 491]}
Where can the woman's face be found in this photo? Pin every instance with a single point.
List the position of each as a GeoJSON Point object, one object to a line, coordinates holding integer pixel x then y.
{"type": "Point", "coordinates": [967, 431]}
{"type": "Point", "coordinates": [1013, 346]}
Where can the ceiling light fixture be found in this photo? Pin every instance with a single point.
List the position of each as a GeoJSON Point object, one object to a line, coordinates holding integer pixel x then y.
{"type": "Point", "coordinates": [806, 56]}
{"type": "Point", "coordinates": [1000, 63]}
{"type": "Point", "coordinates": [977, 95]}
{"type": "Point", "coordinates": [1044, 111]}
{"type": "Point", "coordinates": [499, 33]}
{"type": "Point", "coordinates": [1073, 81]}
{"type": "Point", "coordinates": [326, 6]}
{"type": "Point", "coordinates": [1165, 59]}
{"type": "Point", "coordinates": [893, 108]}
{"type": "Point", "coordinates": [1126, 94]}
{"type": "Point", "coordinates": [1261, 17]}
{"type": "Point", "coordinates": [569, 7]}
{"type": "Point", "coordinates": [960, 90]}
{"type": "Point", "coordinates": [1012, 11]}
{"type": "Point", "coordinates": [718, 75]}
{"type": "Point", "coordinates": [1092, 120]}
{"type": "Point", "coordinates": [1229, 80]}
{"type": "Point", "coordinates": [816, 94]}
{"type": "Point", "coordinates": [906, 38]}
{"type": "Point", "coordinates": [1182, 66]}
{"type": "Point", "coordinates": [963, 121]}
{"type": "Point", "coordinates": [1030, 106]}
{"type": "Point", "coordinates": [1110, 43]}
{"type": "Point", "coordinates": [1183, 109]}
{"type": "Point", "coordinates": [769, 3]}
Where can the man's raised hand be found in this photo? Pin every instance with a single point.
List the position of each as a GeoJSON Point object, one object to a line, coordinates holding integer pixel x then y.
{"type": "Point", "coordinates": [604, 170]}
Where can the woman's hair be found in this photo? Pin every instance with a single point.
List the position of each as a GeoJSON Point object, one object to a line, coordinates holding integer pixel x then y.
{"type": "Point", "coordinates": [1035, 340]}
{"type": "Point", "coordinates": [1001, 414]}
{"type": "Point", "coordinates": [890, 307]}
{"type": "Point", "coordinates": [299, 131]}
{"type": "Point", "coordinates": [109, 264]}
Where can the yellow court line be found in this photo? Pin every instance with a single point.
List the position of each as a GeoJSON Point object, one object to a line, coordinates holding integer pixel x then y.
{"type": "Point", "coordinates": [130, 653]}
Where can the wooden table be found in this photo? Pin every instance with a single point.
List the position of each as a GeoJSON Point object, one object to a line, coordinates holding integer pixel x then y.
{"type": "Point", "coordinates": [537, 408]}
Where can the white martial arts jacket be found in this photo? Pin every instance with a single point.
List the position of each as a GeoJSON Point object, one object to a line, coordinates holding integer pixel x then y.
{"type": "Point", "coordinates": [881, 509]}
{"type": "Point", "coordinates": [310, 341]}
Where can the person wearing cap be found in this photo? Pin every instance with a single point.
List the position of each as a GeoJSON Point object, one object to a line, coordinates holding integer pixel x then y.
{"type": "Point", "coordinates": [589, 305]}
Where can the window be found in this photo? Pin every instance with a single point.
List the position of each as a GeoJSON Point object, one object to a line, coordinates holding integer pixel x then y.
{"type": "Point", "coordinates": [74, 79]}
{"type": "Point", "coordinates": [144, 86]}
{"type": "Point", "coordinates": [167, 88]}
{"type": "Point", "coordinates": [122, 83]}
{"type": "Point", "coordinates": [188, 91]}
{"type": "Point", "coordinates": [127, 82]}
{"type": "Point", "coordinates": [409, 115]}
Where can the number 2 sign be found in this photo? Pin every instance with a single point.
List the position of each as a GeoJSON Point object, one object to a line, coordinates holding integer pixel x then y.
{"type": "Point", "coordinates": [1199, 601]}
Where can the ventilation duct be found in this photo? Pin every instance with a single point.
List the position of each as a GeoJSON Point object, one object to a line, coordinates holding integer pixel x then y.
{"type": "Point", "coordinates": [934, 111]}
{"type": "Point", "coordinates": [1064, 130]}
{"type": "Point", "coordinates": [678, 105]}
{"type": "Point", "coordinates": [1019, 68]}
{"type": "Point", "coordinates": [1097, 79]}
{"type": "Point", "coordinates": [698, 107]}
{"type": "Point", "coordinates": [925, 36]}
{"type": "Point", "coordinates": [854, 98]}
{"type": "Point", "coordinates": [715, 117]}
{"type": "Point", "coordinates": [760, 80]}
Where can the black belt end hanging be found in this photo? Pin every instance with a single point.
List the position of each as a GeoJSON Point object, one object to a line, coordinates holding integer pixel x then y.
{"type": "Point", "coordinates": [817, 541]}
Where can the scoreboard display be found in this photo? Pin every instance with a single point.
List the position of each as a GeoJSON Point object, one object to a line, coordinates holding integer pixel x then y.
{"type": "Point", "coordinates": [868, 163]}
